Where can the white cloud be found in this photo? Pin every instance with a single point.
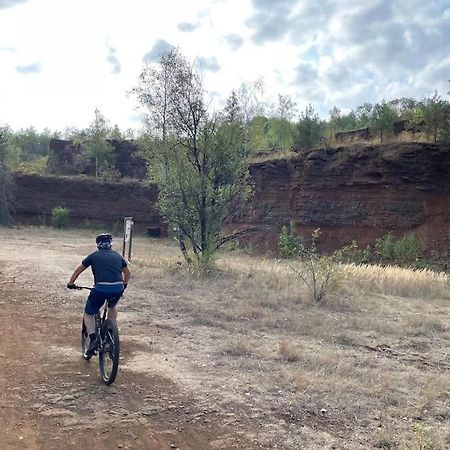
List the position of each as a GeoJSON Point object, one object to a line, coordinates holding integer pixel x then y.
{"type": "Point", "coordinates": [78, 54]}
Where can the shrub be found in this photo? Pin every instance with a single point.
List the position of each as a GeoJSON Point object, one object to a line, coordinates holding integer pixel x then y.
{"type": "Point", "coordinates": [385, 248]}
{"type": "Point", "coordinates": [289, 244]}
{"type": "Point", "coordinates": [60, 217]}
{"type": "Point", "coordinates": [318, 273]}
{"type": "Point", "coordinates": [403, 252]}
{"type": "Point", "coordinates": [352, 254]}
{"type": "Point", "coordinates": [407, 250]}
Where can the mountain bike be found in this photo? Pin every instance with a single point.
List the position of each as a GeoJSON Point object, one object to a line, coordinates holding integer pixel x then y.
{"type": "Point", "coordinates": [108, 344]}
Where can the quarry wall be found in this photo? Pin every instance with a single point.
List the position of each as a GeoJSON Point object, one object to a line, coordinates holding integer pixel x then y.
{"type": "Point", "coordinates": [360, 192]}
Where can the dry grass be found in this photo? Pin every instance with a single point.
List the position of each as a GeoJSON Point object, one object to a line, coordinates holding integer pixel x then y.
{"type": "Point", "coordinates": [375, 353]}
{"type": "Point", "coordinates": [365, 367]}
{"type": "Point", "coordinates": [397, 281]}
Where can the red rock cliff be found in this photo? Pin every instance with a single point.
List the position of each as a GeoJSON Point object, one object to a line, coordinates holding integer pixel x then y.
{"type": "Point", "coordinates": [89, 202]}
{"type": "Point", "coordinates": [360, 193]}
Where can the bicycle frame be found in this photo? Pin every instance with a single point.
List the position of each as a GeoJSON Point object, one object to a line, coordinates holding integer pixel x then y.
{"type": "Point", "coordinates": [108, 344]}
{"type": "Point", "coordinates": [99, 319]}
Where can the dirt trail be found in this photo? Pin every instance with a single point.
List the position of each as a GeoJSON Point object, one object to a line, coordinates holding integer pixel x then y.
{"type": "Point", "coordinates": [51, 398]}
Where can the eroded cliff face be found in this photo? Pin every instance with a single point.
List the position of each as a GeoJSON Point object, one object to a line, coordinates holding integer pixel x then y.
{"type": "Point", "coordinates": [90, 203]}
{"type": "Point", "coordinates": [360, 193]}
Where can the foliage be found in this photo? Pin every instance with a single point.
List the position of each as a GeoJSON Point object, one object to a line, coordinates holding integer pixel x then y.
{"type": "Point", "coordinates": [250, 105]}
{"type": "Point", "coordinates": [60, 217]}
{"type": "Point", "coordinates": [109, 174]}
{"type": "Point", "coordinates": [282, 129]}
{"type": "Point", "coordinates": [407, 250]}
{"type": "Point", "coordinates": [404, 252]}
{"type": "Point", "coordinates": [290, 244]}
{"type": "Point", "coordinates": [6, 184]}
{"type": "Point", "coordinates": [197, 159]}
{"type": "Point", "coordinates": [97, 148]}
{"type": "Point", "coordinates": [318, 273]}
{"type": "Point", "coordinates": [436, 116]}
{"type": "Point", "coordinates": [39, 166]}
{"type": "Point", "coordinates": [352, 254]}
{"type": "Point", "coordinates": [382, 119]}
{"type": "Point", "coordinates": [309, 130]}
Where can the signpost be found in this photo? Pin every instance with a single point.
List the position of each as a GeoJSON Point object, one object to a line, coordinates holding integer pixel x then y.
{"type": "Point", "coordinates": [127, 236]}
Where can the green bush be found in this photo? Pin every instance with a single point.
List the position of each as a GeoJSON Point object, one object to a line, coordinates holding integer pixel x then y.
{"type": "Point", "coordinates": [289, 244]}
{"type": "Point", "coordinates": [385, 248]}
{"type": "Point", "coordinates": [408, 250]}
{"type": "Point", "coordinates": [60, 217]}
{"type": "Point", "coordinates": [403, 252]}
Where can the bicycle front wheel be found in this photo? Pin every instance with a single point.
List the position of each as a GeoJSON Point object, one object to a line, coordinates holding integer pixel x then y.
{"type": "Point", "coordinates": [109, 352]}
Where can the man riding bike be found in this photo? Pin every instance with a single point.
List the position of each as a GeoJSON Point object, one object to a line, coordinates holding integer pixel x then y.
{"type": "Point", "coordinates": [111, 277]}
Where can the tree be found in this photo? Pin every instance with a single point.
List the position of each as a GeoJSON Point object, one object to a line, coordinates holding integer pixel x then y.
{"type": "Point", "coordinates": [363, 115]}
{"type": "Point", "coordinates": [281, 124]}
{"type": "Point", "coordinates": [250, 106]}
{"type": "Point", "coordinates": [309, 128]}
{"type": "Point", "coordinates": [383, 118]}
{"type": "Point", "coordinates": [96, 146]}
{"type": "Point", "coordinates": [435, 114]}
{"type": "Point", "coordinates": [154, 92]}
{"type": "Point", "coordinates": [201, 167]}
{"type": "Point", "coordinates": [6, 184]}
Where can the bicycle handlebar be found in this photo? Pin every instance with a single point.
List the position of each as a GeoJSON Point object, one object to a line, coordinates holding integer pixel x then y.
{"type": "Point", "coordinates": [79, 288]}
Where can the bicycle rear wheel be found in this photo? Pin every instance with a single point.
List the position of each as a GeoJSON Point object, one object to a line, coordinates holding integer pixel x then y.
{"type": "Point", "coordinates": [84, 343]}
{"type": "Point", "coordinates": [108, 357]}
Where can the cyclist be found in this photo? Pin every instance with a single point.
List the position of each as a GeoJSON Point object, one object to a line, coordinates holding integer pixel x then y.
{"type": "Point", "coordinates": [111, 277]}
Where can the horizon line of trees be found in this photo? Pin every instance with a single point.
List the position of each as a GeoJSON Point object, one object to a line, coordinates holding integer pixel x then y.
{"type": "Point", "coordinates": [266, 126]}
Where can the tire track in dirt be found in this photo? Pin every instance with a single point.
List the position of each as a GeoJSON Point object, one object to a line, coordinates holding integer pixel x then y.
{"type": "Point", "coordinates": [51, 398]}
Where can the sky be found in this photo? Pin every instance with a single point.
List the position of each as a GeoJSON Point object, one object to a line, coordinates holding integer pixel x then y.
{"type": "Point", "coordinates": [61, 59]}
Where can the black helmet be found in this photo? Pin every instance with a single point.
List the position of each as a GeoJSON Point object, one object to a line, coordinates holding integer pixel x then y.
{"type": "Point", "coordinates": [103, 240]}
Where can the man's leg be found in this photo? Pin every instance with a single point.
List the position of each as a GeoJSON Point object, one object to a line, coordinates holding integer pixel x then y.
{"type": "Point", "coordinates": [89, 323]}
{"type": "Point", "coordinates": [93, 303]}
{"type": "Point", "coordinates": [112, 313]}
{"type": "Point", "coordinates": [112, 310]}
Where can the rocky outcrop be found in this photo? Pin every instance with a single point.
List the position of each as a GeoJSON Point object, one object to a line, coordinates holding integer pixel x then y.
{"type": "Point", "coordinates": [90, 203]}
{"type": "Point", "coordinates": [362, 192]}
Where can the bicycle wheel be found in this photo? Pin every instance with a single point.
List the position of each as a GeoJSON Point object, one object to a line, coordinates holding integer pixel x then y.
{"type": "Point", "coordinates": [84, 343]}
{"type": "Point", "coordinates": [108, 356]}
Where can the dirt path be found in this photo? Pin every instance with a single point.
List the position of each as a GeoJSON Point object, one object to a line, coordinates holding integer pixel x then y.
{"type": "Point", "coordinates": [51, 398]}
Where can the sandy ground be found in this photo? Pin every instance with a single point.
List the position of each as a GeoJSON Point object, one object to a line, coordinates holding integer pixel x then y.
{"type": "Point", "coordinates": [51, 398]}
{"type": "Point", "coordinates": [200, 360]}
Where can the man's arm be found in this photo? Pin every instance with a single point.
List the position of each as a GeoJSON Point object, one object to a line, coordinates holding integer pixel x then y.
{"type": "Point", "coordinates": [126, 275]}
{"type": "Point", "coordinates": [75, 275]}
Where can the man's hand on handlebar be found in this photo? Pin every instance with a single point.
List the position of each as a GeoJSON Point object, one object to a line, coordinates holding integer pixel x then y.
{"type": "Point", "coordinates": [72, 286]}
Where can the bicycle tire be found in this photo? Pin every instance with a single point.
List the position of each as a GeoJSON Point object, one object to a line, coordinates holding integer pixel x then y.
{"type": "Point", "coordinates": [108, 357]}
{"type": "Point", "coordinates": [84, 343]}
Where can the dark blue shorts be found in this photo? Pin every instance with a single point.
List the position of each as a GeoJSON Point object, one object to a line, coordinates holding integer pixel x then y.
{"type": "Point", "coordinates": [97, 298]}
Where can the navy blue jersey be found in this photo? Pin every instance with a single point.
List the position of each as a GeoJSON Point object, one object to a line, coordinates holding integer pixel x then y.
{"type": "Point", "coordinates": [106, 266]}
